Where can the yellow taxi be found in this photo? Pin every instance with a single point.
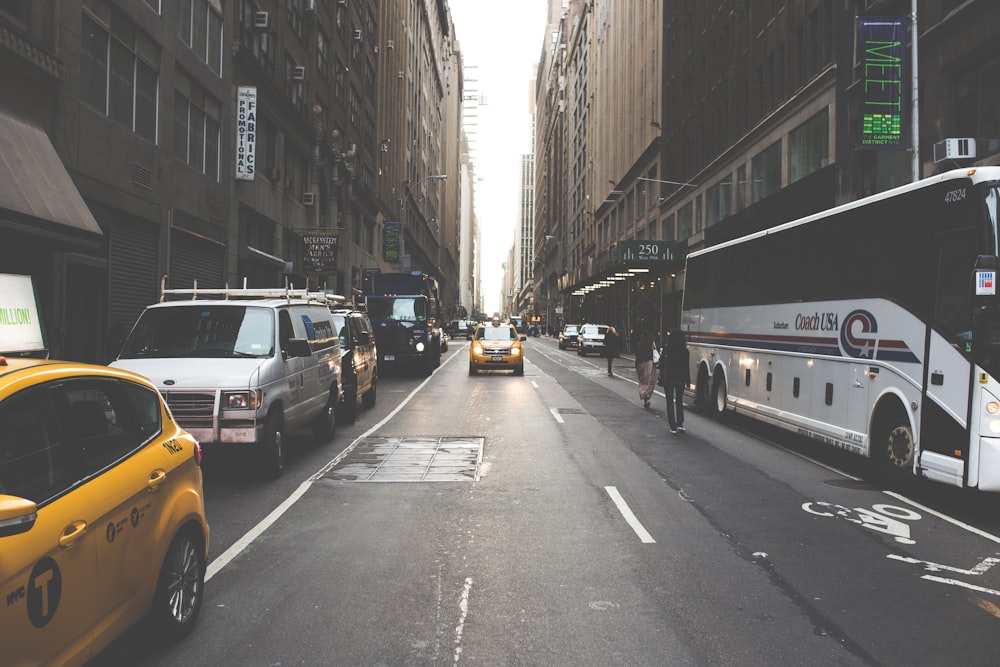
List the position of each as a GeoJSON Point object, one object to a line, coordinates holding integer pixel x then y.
{"type": "Point", "coordinates": [102, 514]}
{"type": "Point", "coordinates": [496, 347]}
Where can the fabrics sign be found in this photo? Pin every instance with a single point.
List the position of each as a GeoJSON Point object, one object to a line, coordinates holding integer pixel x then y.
{"type": "Point", "coordinates": [246, 132]}
{"type": "Point", "coordinates": [884, 83]}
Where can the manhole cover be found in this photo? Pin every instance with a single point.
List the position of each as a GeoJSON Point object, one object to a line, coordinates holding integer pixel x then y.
{"type": "Point", "coordinates": [412, 459]}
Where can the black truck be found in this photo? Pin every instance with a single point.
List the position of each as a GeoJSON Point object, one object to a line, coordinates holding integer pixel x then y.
{"type": "Point", "coordinates": [403, 309]}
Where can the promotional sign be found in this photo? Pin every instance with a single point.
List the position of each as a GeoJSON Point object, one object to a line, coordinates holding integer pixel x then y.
{"type": "Point", "coordinates": [320, 255]}
{"type": "Point", "coordinates": [986, 283]}
{"type": "Point", "coordinates": [20, 325]}
{"type": "Point", "coordinates": [884, 64]}
{"type": "Point", "coordinates": [390, 241]}
{"type": "Point", "coordinates": [246, 132]}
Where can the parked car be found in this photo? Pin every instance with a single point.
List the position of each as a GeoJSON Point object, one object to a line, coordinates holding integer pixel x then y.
{"type": "Point", "coordinates": [569, 336]}
{"type": "Point", "coordinates": [243, 368]}
{"type": "Point", "coordinates": [496, 347]}
{"type": "Point", "coordinates": [102, 512]}
{"type": "Point", "coordinates": [591, 339]}
{"type": "Point", "coordinates": [358, 361]}
{"type": "Point", "coordinates": [457, 328]}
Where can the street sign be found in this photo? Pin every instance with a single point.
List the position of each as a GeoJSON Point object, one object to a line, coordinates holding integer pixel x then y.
{"type": "Point", "coordinates": [647, 252]}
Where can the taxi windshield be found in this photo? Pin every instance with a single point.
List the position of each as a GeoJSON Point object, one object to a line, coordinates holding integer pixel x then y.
{"type": "Point", "coordinates": [495, 333]}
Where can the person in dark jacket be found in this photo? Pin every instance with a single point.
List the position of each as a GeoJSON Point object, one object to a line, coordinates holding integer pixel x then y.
{"type": "Point", "coordinates": [675, 376]}
{"type": "Point", "coordinates": [610, 346]}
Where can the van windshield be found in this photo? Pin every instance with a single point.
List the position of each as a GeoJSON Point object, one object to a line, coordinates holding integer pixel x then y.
{"type": "Point", "coordinates": [202, 331]}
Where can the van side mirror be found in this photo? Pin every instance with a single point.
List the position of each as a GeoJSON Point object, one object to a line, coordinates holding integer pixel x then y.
{"type": "Point", "coordinates": [298, 347]}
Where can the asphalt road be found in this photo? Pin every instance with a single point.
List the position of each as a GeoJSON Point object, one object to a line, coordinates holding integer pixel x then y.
{"type": "Point", "coordinates": [582, 533]}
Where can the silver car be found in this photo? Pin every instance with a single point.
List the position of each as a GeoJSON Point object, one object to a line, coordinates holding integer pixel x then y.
{"type": "Point", "coordinates": [591, 339]}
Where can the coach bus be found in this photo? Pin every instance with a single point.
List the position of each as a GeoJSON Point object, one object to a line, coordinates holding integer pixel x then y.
{"type": "Point", "coordinates": [873, 327]}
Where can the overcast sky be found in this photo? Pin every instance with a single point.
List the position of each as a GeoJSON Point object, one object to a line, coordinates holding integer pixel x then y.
{"type": "Point", "coordinates": [503, 41]}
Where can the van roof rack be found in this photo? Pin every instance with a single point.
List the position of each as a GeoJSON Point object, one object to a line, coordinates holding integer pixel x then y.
{"type": "Point", "coordinates": [324, 297]}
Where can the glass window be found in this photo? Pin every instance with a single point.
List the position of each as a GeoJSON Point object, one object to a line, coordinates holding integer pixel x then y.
{"type": "Point", "coordinates": [200, 27]}
{"type": "Point", "coordinates": [766, 171]}
{"type": "Point", "coordinates": [94, 65]}
{"type": "Point", "coordinates": [685, 222]}
{"type": "Point", "coordinates": [718, 201]}
{"type": "Point", "coordinates": [35, 463]}
{"type": "Point", "coordinates": [808, 147]}
{"type": "Point", "coordinates": [202, 331]}
{"type": "Point", "coordinates": [741, 187]}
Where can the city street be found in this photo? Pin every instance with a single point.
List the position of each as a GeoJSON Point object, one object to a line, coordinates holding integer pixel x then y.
{"type": "Point", "coordinates": [551, 520]}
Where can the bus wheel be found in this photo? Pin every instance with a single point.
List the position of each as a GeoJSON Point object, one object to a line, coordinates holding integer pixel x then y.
{"type": "Point", "coordinates": [701, 387]}
{"type": "Point", "coordinates": [893, 446]}
{"type": "Point", "coordinates": [716, 407]}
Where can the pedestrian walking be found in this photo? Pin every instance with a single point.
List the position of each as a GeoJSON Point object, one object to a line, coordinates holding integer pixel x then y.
{"type": "Point", "coordinates": [611, 342]}
{"type": "Point", "coordinates": [645, 369]}
{"type": "Point", "coordinates": [675, 376]}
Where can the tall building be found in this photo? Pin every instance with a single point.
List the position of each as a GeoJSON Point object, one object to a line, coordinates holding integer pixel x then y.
{"type": "Point", "coordinates": [687, 124]}
{"type": "Point", "coordinates": [223, 142]}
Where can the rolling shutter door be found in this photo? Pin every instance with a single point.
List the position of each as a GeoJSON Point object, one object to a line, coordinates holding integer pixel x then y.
{"type": "Point", "coordinates": [195, 258]}
{"type": "Point", "coordinates": [133, 280]}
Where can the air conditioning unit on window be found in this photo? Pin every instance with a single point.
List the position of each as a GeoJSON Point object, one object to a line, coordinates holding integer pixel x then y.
{"type": "Point", "coordinates": [357, 35]}
{"type": "Point", "coordinates": [299, 73]}
{"type": "Point", "coordinates": [308, 198]}
{"type": "Point", "coordinates": [390, 44]}
{"type": "Point", "coordinates": [955, 149]}
{"type": "Point", "coordinates": [261, 20]}
{"type": "Point", "coordinates": [342, 3]}
{"type": "Point", "coordinates": [310, 5]}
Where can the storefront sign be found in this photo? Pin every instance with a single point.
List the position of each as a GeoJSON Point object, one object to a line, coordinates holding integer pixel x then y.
{"type": "Point", "coordinates": [643, 252]}
{"type": "Point", "coordinates": [884, 68]}
{"type": "Point", "coordinates": [390, 240]}
{"type": "Point", "coordinates": [246, 132]}
{"type": "Point", "coordinates": [320, 254]}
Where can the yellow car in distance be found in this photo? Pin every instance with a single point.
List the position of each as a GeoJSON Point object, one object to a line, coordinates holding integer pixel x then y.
{"type": "Point", "coordinates": [102, 514]}
{"type": "Point", "coordinates": [496, 347]}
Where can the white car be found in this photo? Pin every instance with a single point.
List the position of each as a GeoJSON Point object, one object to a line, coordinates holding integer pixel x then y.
{"type": "Point", "coordinates": [591, 339]}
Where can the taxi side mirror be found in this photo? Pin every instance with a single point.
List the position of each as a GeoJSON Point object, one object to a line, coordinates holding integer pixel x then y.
{"type": "Point", "coordinates": [17, 515]}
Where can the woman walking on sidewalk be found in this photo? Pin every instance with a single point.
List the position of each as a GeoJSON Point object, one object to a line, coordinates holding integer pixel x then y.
{"type": "Point", "coordinates": [645, 368]}
{"type": "Point", "coordinates": [610, 347]}
{"type": "Point", "coordinates": [675, 376]}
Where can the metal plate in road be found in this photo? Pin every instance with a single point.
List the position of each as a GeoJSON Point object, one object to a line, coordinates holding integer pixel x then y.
{"type": "Point", "coordinates": [412, 459]}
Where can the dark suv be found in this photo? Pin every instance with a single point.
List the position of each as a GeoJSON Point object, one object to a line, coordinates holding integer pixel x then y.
{"type": "Point", "coordinates": [359, 361]}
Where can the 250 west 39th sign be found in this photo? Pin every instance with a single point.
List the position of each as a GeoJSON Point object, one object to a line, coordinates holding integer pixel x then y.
{"type": "Point", "coordinates": [884, 67]}
{"type": "Point", "coordinates": [642, 252]}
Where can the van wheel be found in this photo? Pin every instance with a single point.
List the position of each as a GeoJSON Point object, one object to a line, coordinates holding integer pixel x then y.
{"type": "Point", "coordinates": [272, 448]}
{"type": "Point", "coordinates": [349, 408]}
{"type": "Point", "coordinates": [368, 398]}
{"type": "Point", "coordinates": [325, 425]}
{"type": "Point", "coordinates": [180, 587]}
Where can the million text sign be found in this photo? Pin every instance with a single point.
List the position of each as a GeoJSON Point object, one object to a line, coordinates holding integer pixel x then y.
{"type": "Point", "coordinates": [884, 83]}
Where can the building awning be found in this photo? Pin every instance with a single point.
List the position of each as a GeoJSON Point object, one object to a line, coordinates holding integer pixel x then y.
{"type": "Point", "coordinates": [35, 186]}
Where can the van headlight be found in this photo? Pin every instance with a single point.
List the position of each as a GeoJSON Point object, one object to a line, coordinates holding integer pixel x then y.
{"type": "Point", "coordinates": [419, 346]}
{"type": "Point", "coordinates": [241, 400]}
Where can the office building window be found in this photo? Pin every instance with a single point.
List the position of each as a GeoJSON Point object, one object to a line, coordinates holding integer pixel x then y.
{"type": "Point", "coordinates": [200, 27]}
{"type": "Point", "coordinates": [765, 169]}
{"type": "Point", "coordinates": [808, 147]}
{"type": "Point", "coordinates": [196, 127]}
{"type": "Point", "coordinates": [718, 201]}
{"type": "Point", "coordinates": [119, 73]}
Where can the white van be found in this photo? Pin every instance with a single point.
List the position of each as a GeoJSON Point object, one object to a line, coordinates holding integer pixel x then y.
{"type": "Point", "coordinates": [243, 366]}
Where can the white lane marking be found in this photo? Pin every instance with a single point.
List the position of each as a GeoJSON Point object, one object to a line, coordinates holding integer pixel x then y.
{"type": "Point", "coordinates": [945, 517]}
{"type": "Point", "coordinates": [463, 607]}
{"type": "Point", "coordinates": [534, 384]}
{"type": "Point", "coordinates": [961, 584]}
{"type": "Point", "coordinates": [558, 417]}
{"type": "Point", "coordinates": [630, 518]}
{"type": "Point", "coordinates": [239, 545]}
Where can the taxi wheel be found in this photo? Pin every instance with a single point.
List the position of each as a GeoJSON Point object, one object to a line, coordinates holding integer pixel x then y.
{"type": "Point", "coordinates": [472, 370]}
{"type": "Point", "coordinates": [180, 587]}
{"type": "Point", "coordinates": [272, 448]}
{"type": "Point", "coordinates": [519, 370]}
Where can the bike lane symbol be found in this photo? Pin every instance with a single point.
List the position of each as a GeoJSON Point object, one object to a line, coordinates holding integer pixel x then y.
{"type": "Point", "coordinates": [887, 519]}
